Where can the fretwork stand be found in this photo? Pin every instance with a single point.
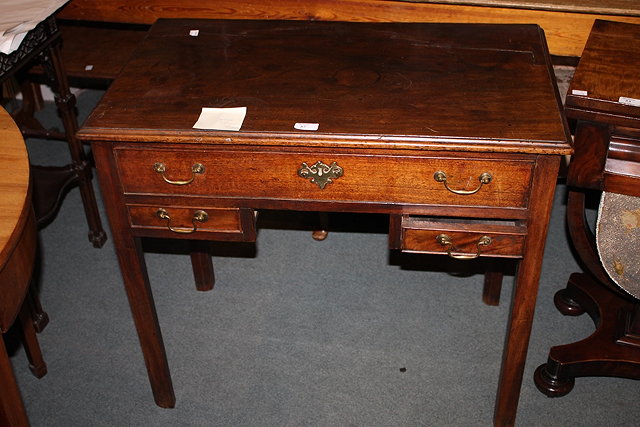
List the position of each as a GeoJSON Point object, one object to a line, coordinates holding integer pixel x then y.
{"type": "Point", "coordinates": [42, 45]}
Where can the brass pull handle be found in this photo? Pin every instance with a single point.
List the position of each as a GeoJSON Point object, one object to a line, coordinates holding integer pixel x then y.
{"type": "Point", "coordinates": [484, 178]}
{"type": "Point", "coordinates": [198, 216]}
{"type": "Point", "coordinates": [161, 168]}
{"type": "Point", "coordinates": [445, 240]}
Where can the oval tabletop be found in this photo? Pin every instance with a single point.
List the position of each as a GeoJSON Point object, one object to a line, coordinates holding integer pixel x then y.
{"type": "Point", "coordinates": [15, 212]}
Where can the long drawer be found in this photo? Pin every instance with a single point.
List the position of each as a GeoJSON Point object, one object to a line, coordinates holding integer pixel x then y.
{"type": "Point", "coordinates": [439, 180]}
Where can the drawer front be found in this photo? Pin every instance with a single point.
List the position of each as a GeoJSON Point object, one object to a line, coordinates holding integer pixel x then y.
{"type": "Point", "coordinates": [297, 176]}
{"type": "Point", "coordinates": [193, 222]}
{"type": "Point", "coordinates": [457, 238]}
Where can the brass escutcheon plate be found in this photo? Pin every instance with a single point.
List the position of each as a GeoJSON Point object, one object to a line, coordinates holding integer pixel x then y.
{"type": "Point", "coordinates": [320, 173]}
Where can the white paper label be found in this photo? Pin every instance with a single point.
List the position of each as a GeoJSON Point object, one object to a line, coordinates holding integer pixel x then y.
{"type": "Point", "coordinates": [194, 33]}
{"type": "Point", "coordinates": [579, 92]}
{"type": "Point", "coordinates": [629, 101]}
{"type": "Point", "coordinates": [88, 67]}
{"type": "Point", "coordinates": [221, 118]}
{"type": "Point", "coordinates": [307, 126]}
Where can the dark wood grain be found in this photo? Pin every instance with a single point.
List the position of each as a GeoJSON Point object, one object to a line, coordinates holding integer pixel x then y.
{"type": "Point", "coordinates": [419, 235]}
{"type": "Point", "coordinates": [351, 92]}
{"type": "Point", "coordinates": [587, 168]}
{"type": "Point", "coordinates": [273, 175]}
{"type": "Point", "coordinates": [610, 47]}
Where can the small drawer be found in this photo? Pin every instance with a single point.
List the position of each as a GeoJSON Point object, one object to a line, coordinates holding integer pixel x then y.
{"type": "Point", "coordinates": [459, 238]}
{"type": "Point", "coordinates": [206, 223]}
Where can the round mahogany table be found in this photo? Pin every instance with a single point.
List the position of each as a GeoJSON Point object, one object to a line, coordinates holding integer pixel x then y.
{"type": "Point", "coordinates": [17, 255]}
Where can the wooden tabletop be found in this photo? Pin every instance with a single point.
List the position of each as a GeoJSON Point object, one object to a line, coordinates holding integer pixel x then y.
{"type": "Point", "coordinates": [14, 185]}
{"type": "Point", "coordinates": [609, 69]}
{"type": "Point", "coordinates": [368, 85]}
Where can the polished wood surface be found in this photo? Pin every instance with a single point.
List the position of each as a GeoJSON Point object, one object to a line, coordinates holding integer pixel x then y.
{"type": "Point", "coordinates": [607, 157]}
{"type": "Point", "coordinates": [611, 51]}
{"type": "Point", "coordinates": [607, 153]}
{"type": "Point", "coordinates": [17, 254]}
{"type": "Point", "coordinates": [397, 106]}
{"type": "Point", "coordinates": [350, 92]}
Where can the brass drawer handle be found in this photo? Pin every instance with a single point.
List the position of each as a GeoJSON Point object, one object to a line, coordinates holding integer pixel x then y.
{"type": "Point", "coordinates": [320, 173]}
{"type": "Point", "coordinates": [161, 168]}
{"type": "Point", "coordinates": [445, 240]}
{"type": "Point", "coordinates": [484, 178]}
{"type": "Point", "coordinates": [198, 216]}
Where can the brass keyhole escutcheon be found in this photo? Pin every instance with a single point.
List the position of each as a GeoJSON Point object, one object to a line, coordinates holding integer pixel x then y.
{"type": "Point", "coordinates": [320, 173]}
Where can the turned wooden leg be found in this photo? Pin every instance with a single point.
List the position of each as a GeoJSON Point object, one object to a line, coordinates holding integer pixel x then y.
{"type": "Point", "coordinates": [202, 264]}
{"type": "Point", "coordinates": [30, 341]}
{"type": "Point", "coordinates": [65, 101]}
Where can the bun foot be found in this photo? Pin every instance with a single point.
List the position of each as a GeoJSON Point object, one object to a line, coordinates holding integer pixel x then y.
{"type": "Point", "coordinates": [549, 385]}
{"type": "Point", "coordinates": [567, 305]}
{"type": "Point", "coordinates": [319, 235]}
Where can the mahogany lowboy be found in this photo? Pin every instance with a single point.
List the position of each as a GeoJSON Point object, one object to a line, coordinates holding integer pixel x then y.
{"type": "Point", "coordinates": [425, 122]}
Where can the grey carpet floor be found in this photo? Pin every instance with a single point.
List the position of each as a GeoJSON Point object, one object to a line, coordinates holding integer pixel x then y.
{"type": "Point", "coordinates": [296, 332]}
